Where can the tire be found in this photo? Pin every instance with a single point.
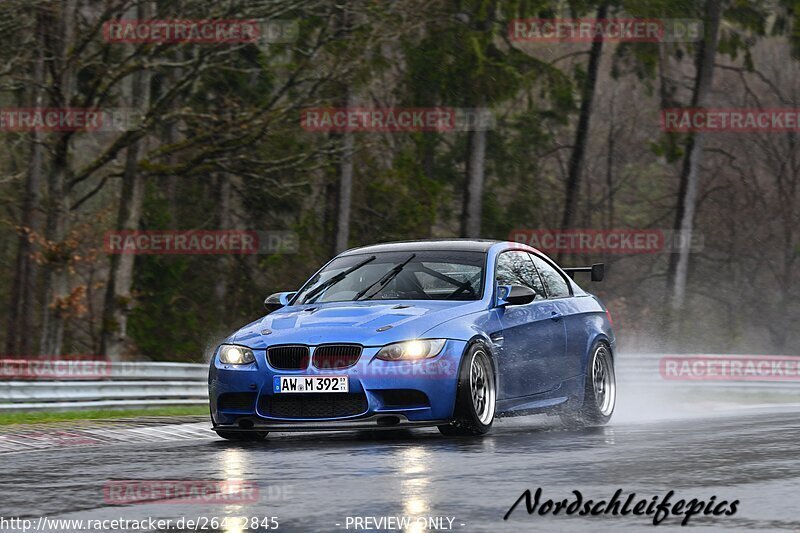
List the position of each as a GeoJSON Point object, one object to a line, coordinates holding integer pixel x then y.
{"type": "Point", "coordinates": [600, 391]}
{"type": "Point", "coordinates": [476, 395]}
{"type": "Point", "coordinates": [242, 435]}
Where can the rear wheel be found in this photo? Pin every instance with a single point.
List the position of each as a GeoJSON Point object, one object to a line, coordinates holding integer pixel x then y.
{"type": "Point", "coordinates": [476, 395]}
{"type": "Point", "coordinates": [600, 391]}
{"type": "Point", "coordinates": [242, 435]}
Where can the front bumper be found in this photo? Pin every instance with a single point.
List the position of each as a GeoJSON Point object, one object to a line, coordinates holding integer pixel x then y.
{"type": "Point", "coordinates": [372, 380]}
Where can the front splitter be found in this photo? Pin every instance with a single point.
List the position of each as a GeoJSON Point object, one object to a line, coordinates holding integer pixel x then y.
{"type": "Point", "coordinates": [375, 422]}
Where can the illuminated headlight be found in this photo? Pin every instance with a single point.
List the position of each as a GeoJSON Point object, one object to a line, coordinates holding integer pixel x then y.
{"type": "Point", "coordinates": [235, 355]}
{"type": "Point", "coordinates": [411, 350]}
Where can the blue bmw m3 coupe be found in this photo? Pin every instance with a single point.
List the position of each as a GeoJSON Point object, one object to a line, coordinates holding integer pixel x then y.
{"type": "Point", "coordinates": [449, 333]}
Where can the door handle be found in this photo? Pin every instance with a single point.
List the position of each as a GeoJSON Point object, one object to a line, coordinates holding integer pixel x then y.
{"type": "Point", "coordinates": [555, 315]}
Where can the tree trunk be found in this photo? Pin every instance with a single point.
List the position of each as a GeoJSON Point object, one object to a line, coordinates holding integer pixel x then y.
{"type": "Point", "coordinates": [429, 169]}
{"type": "Point", "coordinates": [610, 150]}
{"type": "Point", "coordinates": [576, 159]}
{"type": "Point", "coordinates": [118, 299]}
{"type": "Point", "coordinates": [475, 176]}
{"type": "Point", "coordinates": [171, 181]}
{"type": "Point", "coordinates": [223, 222]}
{"type": "Point", "coordinates": [21, 309]}
{"type": "Point", "coordinates": [690, 172]}
{"type": "Point", "coordinates": [345, 196]}
{"type": "Point", "coordinates": [56, 285]}
{"type": "Point", "coordinates": [172, 135]}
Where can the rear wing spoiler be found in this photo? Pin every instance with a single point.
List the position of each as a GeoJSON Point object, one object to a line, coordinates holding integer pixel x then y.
{"type": "Point", "coordinates": [597, 270]}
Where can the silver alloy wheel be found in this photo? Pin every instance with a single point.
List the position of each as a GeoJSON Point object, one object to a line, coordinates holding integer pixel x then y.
{"type": "Point", "coordinates": [481, 387]}
{"type": "Point", "coordinates": [603, 381]}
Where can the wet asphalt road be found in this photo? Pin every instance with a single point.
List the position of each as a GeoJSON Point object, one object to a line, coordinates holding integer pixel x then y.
{"type": "Point", "coordinates": [314, 482]}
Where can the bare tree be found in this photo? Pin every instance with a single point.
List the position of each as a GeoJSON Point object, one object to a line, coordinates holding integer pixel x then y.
{"type": "Point", "coordinates": [475, 177]}
{"type": "Point", "coordinates": [692, 161]}
{"type": "Point", "coordinates": [63, 91]}
{"type": "Point", "coordinates": [22, 309]}
{"type": "Point", "coordinates": [118, 298]}
{"type": "Point", "coordinates": [344, 206]}
{"type": "Point", "coordinates": [576, 160]}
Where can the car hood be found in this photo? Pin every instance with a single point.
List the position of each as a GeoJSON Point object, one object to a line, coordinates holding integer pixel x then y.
{"type": "Point", "coordinates": [367, 323]}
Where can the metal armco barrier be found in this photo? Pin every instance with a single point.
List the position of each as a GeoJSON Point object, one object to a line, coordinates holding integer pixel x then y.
{"type": "Point", "coordinates": [134, 385]}
{"type": "Point", "coordinates": [723, 373]}
{"type": "Point", "coordinates": [120, 385]}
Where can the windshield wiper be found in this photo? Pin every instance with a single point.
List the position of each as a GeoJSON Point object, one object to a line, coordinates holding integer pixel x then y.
{"type": "Point", "coordinates": [336, 279]}
{"type": "Point", "coordinates": [385, 279]}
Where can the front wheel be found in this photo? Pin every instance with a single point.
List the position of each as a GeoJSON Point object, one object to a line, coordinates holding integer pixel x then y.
{"type": "Point", "coordinates": [476, 395]}
{"type": "Point", "coordinates": [600, 391]}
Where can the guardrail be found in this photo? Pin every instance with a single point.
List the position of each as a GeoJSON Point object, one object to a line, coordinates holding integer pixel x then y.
{"type": "Point", "coordinates": [713, 373]}
{"type": "Point", "coordinates": [134, 385]}
{"type": "Point", "coordinates": [122, 385]}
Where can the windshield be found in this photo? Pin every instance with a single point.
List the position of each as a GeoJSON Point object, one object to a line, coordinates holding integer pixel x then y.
{"type": "Point", "coordinates": [428, 275]}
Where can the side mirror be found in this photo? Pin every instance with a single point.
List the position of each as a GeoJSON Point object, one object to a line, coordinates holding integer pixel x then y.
{"type": "Point", "coordinates": [514, 295]}
{"type": "Point", "coordinates": [277, 300]}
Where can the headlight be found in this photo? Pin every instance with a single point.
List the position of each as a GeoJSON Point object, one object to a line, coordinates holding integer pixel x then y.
{"type": "Point", "coordinates": [235, 355]}
{"type": "Point", "coordinates": [411, 350]}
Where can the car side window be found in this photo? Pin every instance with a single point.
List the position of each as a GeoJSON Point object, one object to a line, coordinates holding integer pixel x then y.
{"type": "Point", "coordinates": [516, 268]}
{"type": "Point", "coordinates": [557, 286]}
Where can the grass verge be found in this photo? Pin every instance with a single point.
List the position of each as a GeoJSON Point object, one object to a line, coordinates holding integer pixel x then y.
{"type": "Point", "coordinates": [109, 414]}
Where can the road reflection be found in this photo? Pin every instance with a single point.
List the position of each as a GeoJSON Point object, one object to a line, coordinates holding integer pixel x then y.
{"type": "Point", "coordinates": [414, 464]}
{"type": "Point", "coordinates": [232, 468]}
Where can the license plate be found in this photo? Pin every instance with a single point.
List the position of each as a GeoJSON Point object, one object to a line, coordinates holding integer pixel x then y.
{"type": "Point", "coordinates": [310, 384]}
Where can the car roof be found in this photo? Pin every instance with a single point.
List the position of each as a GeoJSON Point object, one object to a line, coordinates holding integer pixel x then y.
{"type": "Point", "coordinates": [460, 245]}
